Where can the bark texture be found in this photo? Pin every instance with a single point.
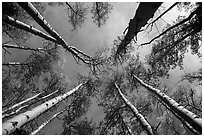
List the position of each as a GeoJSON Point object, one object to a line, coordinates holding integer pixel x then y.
{"type": "Point", "coordinates": [193, 120]}
{"type": "Point", "coordinates": [16, 122]}
{"type": "Point", "coordinates": [145, 125]}
{"type": "Point", "coordinates": [144, 12]}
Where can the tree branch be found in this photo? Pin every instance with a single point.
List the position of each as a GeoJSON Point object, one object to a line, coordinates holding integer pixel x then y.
{"type": "Point", "coordinates": [162, 14]}
{"type": "Point", "coordinates": [176, 25]}
{"type": "Point", "coordinates": [20, 47]}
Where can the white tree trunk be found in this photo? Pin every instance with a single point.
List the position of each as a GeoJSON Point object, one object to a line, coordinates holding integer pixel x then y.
{"type": "Point", "coordinates": [5, 45]}
{"type": "Point", "coordinates": [145, 125]}
{"type": "Point", "coordinates": [27, 105]}
{"type": "Point", "coordinates": [33, 12]}
{"type": "Point", "coordinates": [47, 122]}
{"type": "Point", "coordinates": [23, 26]}
{"type": "Point", "coordinates": [127, 127]}
{"type": "Point", "coordinates": [193, 120]}
{"type": "Point", "coordinates": [22, 102]}
{"type": "Point", "coordinates": [16, 122]}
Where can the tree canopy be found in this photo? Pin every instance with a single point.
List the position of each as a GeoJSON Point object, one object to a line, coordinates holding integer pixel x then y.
{"type": "Point", "coordinates": [115, 91]}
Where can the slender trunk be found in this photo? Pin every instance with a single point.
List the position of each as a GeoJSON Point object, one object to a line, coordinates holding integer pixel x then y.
{"type": "Point", "coordinates": [27, 105]}
{"type": "Point", "coordinates": [22, 102]}
{"type": "Point", "coordinates": [32, 11]}
{"type": "Point", "coordinates": [23, 26]}
{"type": "Point", "coordinates": [15, 64]}
{"type": "Point", "coordinates": [16, 122]}
{"type": "Point", "coordinates": [193, 120]}
{"type": "Point", "coordinates": [126, 126]}
{"type": "Point", "coordinates": [145, 125]}
{"type": "Point", "coordinates": [47, 122]}
{"type": "Point", "coordinates": [20, 47]}
{"type": "Point", "coordinates": [185, 124]}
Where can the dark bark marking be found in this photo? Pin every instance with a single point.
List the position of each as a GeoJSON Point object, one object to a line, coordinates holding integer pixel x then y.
{"type": "Point", "coordinates": [27, 117]}
{"type": "Point", "coordinates": [15, 123]}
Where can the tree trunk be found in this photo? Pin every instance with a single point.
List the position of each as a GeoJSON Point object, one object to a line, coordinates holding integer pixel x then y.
{"type": "Point", "coordinates": [15, 123]}
{"type": "Point", "coordinates": [126, 126]}
{"type": "Point", "coordinates": [47, 122]}
{"type": "Point", "coordinates": [22, 102]}
{"type": "Point", "coordinates": [144, 12]}
{"type": "Point", "coordinates": [23, 26]}
{"type": "Point", "coordinates": [32, 11]}
{"type": "Point", "coordinates": [145, 125]}
{"type": "Point", "coordinates": [193, 120]}
{"type": "Point", "coordinates": [27, 105]}
{"type": "Point", "coordinates": [20, 47]}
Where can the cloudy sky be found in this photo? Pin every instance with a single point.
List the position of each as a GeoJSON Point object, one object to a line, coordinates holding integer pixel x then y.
{"type": "Point", "coordinates": [89, 38]}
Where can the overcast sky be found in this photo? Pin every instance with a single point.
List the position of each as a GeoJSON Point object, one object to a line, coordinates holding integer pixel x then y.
{"type": "Point", "coordinates": [89, 38]}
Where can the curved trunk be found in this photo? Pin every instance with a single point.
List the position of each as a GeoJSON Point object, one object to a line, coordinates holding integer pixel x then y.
{"type": "Point", "coordinates": [16, 122]}
{"type": "Point", "coordinates": [193, 120]}
{"type": "Point", "coordinates": [145, 125]}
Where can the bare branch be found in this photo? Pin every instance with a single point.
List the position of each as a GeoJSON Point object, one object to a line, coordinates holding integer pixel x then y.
{"type": "Point", "coordinates": [15, 64]}
{"type": "Point", "coordinates": [174, 45]}
{"type": "Point", "coordinates": [161, 15]}
{"type": "Point", "coordinates": [20, 47]}
{"type": "Point", "coordinates": [174, 26]}
{"type": "Point", "coordinates": [73, 10]}
{"type": "Point", "coordinates": [32, 11]}
{"type": "Point", "coordinates": [17, 43]}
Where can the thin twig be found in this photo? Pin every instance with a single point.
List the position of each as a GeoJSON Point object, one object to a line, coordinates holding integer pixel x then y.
{"type": "Point", "coordinates": [174, 26]}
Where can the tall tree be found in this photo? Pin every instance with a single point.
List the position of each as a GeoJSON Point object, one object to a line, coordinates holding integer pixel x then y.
{"type": "Point", "coordinates": [13, 10]}
{"type": "Point", "coordinates": [169, 51]}
{"type": "Point", "coordinates": [144, 12]}
{"type": "Point", "coordinates": [32, 11]}
{"type": "Point", "coordinates": [16, 122]}
{"type": "Point", "coordinates": [193, 122]}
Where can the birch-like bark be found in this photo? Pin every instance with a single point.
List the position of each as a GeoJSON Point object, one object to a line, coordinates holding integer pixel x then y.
{"type": "Point", "coordinates": [14, 112]}
{"type": "Point", "coordinates": [27, 105]}
{"type": "Point", "coordinates": [193, 120]}
{"type": "Point", "coordinates": [126, 126]}
{"type": "Point", "coordinates": [185, 124]}
{"type": "Point", "coordinates": [15, 64]}
{"type": "Point", "coordinates": [20, 47]}
{"type": "Point", "coordinates": [22, 102]}
{"type": "Point", "coordinates": [47, 122]}
{"type": "Point", "coordinates": [23, 26]}
{"type": "Point", "coordinates": [143, 122]}
{"type": "Point", "coordinates": [32, 11]}
{"type": "Point", "coordinates": [16, 122]}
